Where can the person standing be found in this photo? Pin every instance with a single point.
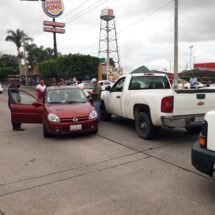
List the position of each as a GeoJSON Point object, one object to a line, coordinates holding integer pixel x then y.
{"type": "Point", "coordinates": [14, 98]}
{"type": "Point", "coordinates": [96, 96]}
{"type": "Point", "coordinates": [193, 82]}
{"type": "Point", "coordinates": [40, 89]}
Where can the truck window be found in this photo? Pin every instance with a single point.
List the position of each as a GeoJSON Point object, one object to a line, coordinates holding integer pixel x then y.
{"type": "Point", "coordinates": [118, 86]}
{"type": "Point", "coordinates": [148, 82]}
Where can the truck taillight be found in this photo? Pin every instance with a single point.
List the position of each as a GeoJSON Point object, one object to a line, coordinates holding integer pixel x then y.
{"type": "Point", "coordinates": [203, 135]}
{"type": "Point", "coordinates": [167, 104]}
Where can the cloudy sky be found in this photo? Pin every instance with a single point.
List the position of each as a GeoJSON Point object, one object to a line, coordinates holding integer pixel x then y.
{"type": "Point", "coordinates": [145, 29]}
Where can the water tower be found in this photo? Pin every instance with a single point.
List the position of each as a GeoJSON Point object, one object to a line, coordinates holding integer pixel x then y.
{"type": "Point", "coordinates": [108, 44]}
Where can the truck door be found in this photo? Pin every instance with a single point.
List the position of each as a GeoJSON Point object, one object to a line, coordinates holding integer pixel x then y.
{"type": "Point", "coordinates": [115, 97]}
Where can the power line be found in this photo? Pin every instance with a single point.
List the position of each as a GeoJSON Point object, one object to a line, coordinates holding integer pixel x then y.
{"type": "Point", "coordinates": [146, 16]}
{"type": "Point", "coordinates": [86, 10]}
{"type": "Point", "coordinates": [81, 13]}
{"type": "Point", "coordinates": [82, 4]}
{"type": "Point", "coordinates": [140, 19]}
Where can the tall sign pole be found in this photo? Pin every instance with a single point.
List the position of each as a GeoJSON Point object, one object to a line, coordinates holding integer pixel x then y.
{"type": "Point", "coordinates": [55, 41]}
{"type": "Point", "coordinates": [176, 46]}
{"type": "Point", "coordinates": [53, 9]}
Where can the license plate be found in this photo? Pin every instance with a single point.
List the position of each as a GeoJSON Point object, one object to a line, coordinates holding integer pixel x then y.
{"type": "Point", "coordinates": [199, 118]}
{"type": "Point", "coordinates": [75, 127]}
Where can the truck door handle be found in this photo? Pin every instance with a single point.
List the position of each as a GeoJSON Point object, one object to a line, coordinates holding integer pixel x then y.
{"type": "Point", "coordinates": [118, 97]}
{"type": "Point", "coordinates": [200, 96]}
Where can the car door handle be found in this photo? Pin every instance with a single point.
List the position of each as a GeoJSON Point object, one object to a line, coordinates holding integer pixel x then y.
{"type": "Point", "coordinates": [118, 97]}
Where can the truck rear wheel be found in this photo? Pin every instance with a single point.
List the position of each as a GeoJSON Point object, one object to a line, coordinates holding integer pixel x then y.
{"type": "Point", "coordinates": [104, 115]}
{"type": "Point", "coordinates": [144, 126]}
{"type": "Point", "coordinates": [194, 130]}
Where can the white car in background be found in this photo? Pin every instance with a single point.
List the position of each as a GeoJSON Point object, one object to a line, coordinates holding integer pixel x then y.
{"type": "Point", "coordinates": [86, 87]}
{"type": "Point", "coordinates": [200, 85]}
{"type": "Point", "coordinates": [182, 84]}
{"type": "Point", "coordinates": [105, 83]}
{"type": "Point", "coordinates": [212, 86]}
{"type": "Point", "coordinates": [1, 88]}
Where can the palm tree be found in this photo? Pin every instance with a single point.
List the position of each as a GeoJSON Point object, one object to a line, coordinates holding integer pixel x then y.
{"type": "Point", "coordinates": [18, 37]}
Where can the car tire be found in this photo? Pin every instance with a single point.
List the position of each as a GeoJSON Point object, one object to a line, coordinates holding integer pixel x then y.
{"type": "Point", "coordinates": [194, 130]}
{"type": "Point", "coordinates": [144, 126]}
{"type": "Point", "coordinates": [104, 115]}
{"type": "Point", "coordinates": [46, 134]}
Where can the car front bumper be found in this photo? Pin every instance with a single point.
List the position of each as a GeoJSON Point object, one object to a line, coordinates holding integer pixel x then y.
{"type": "Point", "coordinates": [65, 127]}
{"type": "Point", "coordinates": [203, 159]}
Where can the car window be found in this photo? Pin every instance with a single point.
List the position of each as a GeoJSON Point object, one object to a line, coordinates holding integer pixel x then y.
{"type": "Point", "coordinates": [148, 82]}
{"type": "Point", "coordinates": [21, 97]}
{"type": "Point", "coordinates": [65, 96]}
{"type": "Point", "coordinates": [106, 83]}
{"type": "Point", "coordinates": [118, 86]}
{"type": "Point", "coordinates": [88, 86]}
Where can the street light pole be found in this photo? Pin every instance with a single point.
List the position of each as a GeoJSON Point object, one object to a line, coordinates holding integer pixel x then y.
{"type": "Point", "coordinates": [190, 47]}
{"type": "Point", "coordinates": [175, 81]}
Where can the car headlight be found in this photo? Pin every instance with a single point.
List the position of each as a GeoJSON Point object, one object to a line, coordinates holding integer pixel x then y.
{"type": "Point", "coordinates": [93, 115]}
{"type": "Point", "coordinates": [53, 118]}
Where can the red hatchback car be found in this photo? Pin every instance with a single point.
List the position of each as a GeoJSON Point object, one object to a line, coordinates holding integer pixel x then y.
{"type": "Point", "coordinates": [65, 110]}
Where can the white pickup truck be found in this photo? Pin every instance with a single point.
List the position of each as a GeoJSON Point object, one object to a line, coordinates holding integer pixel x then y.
{"type": "Point", "coordinates": [149, 99]}
{"type": "Point", "coordinates": [203, 151]}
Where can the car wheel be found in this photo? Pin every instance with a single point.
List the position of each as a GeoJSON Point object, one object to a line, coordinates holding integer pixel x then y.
{"type": "Point", "coordinates": [194, 130]}
{"type": "Point", "coordinates": [46, 134]}
{"type": "Point", "coordinates": [144, 126]}
{"type": "Point", "coordinates": [104, 115]}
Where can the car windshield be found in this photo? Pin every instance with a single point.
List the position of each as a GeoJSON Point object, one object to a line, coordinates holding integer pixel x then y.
{"type": "Point", "coordinates": [88, 86]}
{"type": "Point", "coordinates": [65, 96]}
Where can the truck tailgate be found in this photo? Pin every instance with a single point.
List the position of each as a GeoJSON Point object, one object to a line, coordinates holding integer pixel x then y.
{"type": "Point", "coordinates": [197, 101]}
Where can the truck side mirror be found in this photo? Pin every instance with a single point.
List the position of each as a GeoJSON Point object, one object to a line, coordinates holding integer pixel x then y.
{"type": "Point", "coordinates": [108, 88]}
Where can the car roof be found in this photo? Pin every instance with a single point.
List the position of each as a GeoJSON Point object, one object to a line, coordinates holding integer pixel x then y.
{"type": "Point", "coordinates": [62, 87]}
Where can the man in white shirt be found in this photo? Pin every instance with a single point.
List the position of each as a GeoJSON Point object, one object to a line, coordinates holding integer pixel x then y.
{"type": "Point", "coordinates": [40, 89]}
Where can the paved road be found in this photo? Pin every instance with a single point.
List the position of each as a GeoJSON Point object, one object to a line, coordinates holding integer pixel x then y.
{"type": "Point", "coordinates": [112, 173]}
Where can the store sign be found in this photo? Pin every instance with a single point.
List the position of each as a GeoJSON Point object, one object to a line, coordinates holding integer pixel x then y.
{"type": "Point", "coordinates": [54, 24]}
{"type": "Point", "coordinates": [54, 30]}
{"type": "Point", "coordinates": [53, 8]}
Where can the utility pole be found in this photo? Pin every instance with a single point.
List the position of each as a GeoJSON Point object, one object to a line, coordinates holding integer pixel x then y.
{"type": "Point", "coordinates": [190, 47]}
{"type": "Point", "coordinates": [176, 46]}
{"type": "Point", "coordinates": [55, 42]}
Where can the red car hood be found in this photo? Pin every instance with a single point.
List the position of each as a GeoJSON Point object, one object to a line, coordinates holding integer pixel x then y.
{"type": "Point", "coordinates": [70, 110]}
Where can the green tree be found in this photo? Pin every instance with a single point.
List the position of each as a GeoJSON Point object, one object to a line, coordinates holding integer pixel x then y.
{"type": "Point", "coordinates": [69, 66]}
{"type": "Point", "coordinates": [38, 54]}
{"type": "Point", "coordinates": [9, 61]}
{"type": "Point", "coordinates": [8, 66]}
{"type": "Point", "coordinates": [18, 37]}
